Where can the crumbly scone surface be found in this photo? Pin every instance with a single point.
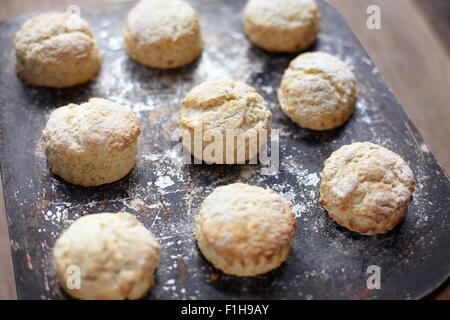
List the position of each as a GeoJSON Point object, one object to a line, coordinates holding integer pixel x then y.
{"type": "Point", "coordinates": [318, 91]}
{"type": "Point", "coordinates": [224, 104]}
{"type": "Point", "coordinates": [98, 125]}
{"type": "Point", "coordinates": [56, 50]}
{"type": "Point", "coordinates": [282, 25]}
{"type": "Point", "coordinates": [116, 254]}
{"type": "Point", "coordinates": [167, 20]}
{"type": "Point", "coordinates": [366, 180]}
{"type": "Point", "coordinates": [47, 26]}
{"type": "Point", "coordinates": [281, 13]}
{"type": "Point", "coordinates": [245, 223]}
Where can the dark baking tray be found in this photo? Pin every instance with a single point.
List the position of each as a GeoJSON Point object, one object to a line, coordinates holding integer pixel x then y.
{"type": "Point", "coordinates": [326, 260]}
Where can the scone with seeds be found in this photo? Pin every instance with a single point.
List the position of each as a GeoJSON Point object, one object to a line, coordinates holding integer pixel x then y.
{"type": "Point", "coordinates": [92, 143]}
{"type": "Point", "coordinates": [366, 188]}
{"type": "Point", "coordinates": [106, 256]}
{"type": "Point", "coordinates": [245, 230]}
{"type": "Point", "coordinates": [282, 25]}
{"type": "Point", "coordinates": [163, 33]}
{"type": "Point", "coordinates": [56, 50]}
{"type": "Point", "coordinates": [318, 91]}
{"type": "Point", "coordinates": [228, 111]}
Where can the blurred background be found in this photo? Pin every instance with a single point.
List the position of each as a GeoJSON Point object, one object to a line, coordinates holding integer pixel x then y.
{"type": "Point", "coordinates": [411, 50]}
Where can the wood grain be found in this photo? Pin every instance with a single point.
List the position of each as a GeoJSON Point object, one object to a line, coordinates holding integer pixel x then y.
{"type": "Point", "coordinates": [437, 13]}
{"type": "Point", "coordinates": [7, 283]}
{"type": "Point", "coordinates": [407, 50]}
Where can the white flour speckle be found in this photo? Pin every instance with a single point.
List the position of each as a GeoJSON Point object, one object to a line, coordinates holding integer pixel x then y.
{"type": "Point", "coordinates": [164, 182]}
{"type": "Point", "coordinates": [424, 148]}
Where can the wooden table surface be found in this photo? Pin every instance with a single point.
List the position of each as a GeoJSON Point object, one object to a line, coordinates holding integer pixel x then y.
{"type": "Point", "coordinates": [411, 51]}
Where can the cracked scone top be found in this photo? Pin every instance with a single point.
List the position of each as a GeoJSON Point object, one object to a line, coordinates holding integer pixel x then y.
{"type": "Point", "coordinates": [163, 33]}
{"type": "Point", "coordinates": [366, 188]}
{"type": "Point", "coordinates": [318, 91]}
{"type": "Point", "coordinates": [92, 143]}
{"type": "Point", "coordinates": [282, 25]}
{"type": "Point", "coordinates": [56, 50]}
{"type": "Point", "coordinates": [245, 230]}
{"type": "Point", "coordinates": [219, 106]}
{"type": "Point", "coordinates": [116, 256]}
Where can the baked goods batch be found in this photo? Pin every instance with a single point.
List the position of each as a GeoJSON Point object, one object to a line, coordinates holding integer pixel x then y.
{"type": "Point", "coordinates": [242, 230]}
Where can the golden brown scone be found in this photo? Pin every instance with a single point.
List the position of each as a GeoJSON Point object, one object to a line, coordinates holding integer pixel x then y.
{"type": "Point", "coordinates": [318, 91]}
{"type": "Point", "coordinates": [245, 230]}
{"type": "Point", "coordinates": [115, 255]}
{"type": "Point", "coordinates": [56, 50]}
{"type": "Point", "coordinates": [282, 25]}
{"type": "Point", "coordinates": [163, 33]}
{"type": "Point", "coordinates": [366, 188]}
{"type": "Point", "coordinates": [222, 107]}
{"type": "Point", "coordinates": [92, 143]}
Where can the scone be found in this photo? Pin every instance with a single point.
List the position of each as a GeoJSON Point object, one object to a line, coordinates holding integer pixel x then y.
{"type": "Point", "coordinates": [225, 109]}
{"type": "Point", "coordinates": [163, 33]}
{"type": "Point", "coordinates": [282, 25]}
{"type": "Point", "coordinates": [56, 50]}
{"type": "Point", "coordinates": [318, 91]}
{"type": "Point", "coordinates": [106, 256]}
{"type": "Point", "coordinates": [366, 188]}
{"type": "Point", "coordinates": [92, 143]}
{"type": "Point", "coordinates": [245, 230]}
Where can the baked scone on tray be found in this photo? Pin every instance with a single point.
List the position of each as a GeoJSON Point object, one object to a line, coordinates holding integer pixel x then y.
{"type": "Point", "coordinates": [245, 230]}
{"type": "Point", "coordinates": [113, 254]}
{"type": "Point", "coordinates": [282, 25]}
{"type": "Point", "coordinates": [366, 188]}
{"type": "Point", "coordinates": [56, 50]}
{"type": "Point", "coordinates": [93, 143]}
{"type": "Point", "coordinates": [163, 34]}
{"type": "Point", "coordinates": [318, 91]}
{"type": "Point", "coordinates": [224, 109]}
